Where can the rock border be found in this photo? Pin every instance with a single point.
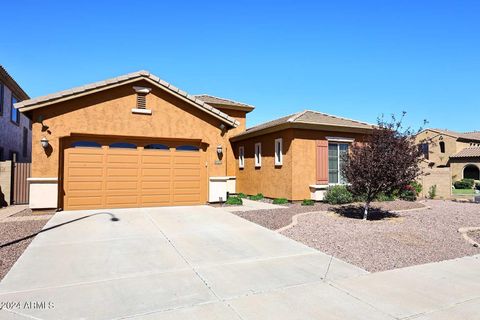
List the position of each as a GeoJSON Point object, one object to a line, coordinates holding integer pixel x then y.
{"type": "Point", "coordinates": [465, 231]}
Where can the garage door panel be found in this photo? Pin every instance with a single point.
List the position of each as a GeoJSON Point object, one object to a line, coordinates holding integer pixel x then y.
{"type": "Point", "coordinates": [85, 185]}
{"type": "Point", "coordinates": [116, 178]}
{"type": "Point", "coordinates": [121, 185]}
{"type": "Point", "coordinates": [156, 158]}
{"type": "Point", "coordinates": [119, 200]}
{"type": "Point", "coordinates": [156, 172]}
{"type": "Point", "coordinates": [85, 172]}
{"type": "Point", "coordinates": [82, 201]}
{"type": "Point", "coordinates": [88, 158]}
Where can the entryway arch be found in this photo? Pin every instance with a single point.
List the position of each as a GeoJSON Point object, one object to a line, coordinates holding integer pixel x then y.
{"type": "Point", "coordinates": [471, 171]}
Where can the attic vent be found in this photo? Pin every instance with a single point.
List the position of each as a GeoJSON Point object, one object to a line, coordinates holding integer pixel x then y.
{"type": "Point", "coordinates": [141, 106]}
{"type": "Point", "coordinates": [141, 101]}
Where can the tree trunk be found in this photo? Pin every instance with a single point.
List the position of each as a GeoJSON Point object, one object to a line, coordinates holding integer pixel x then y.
{"type": "Point", "coordinates": [365, 212]}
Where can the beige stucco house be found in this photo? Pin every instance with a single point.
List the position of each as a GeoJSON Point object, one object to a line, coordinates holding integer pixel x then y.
{"type": "Point", "coordinates": [138, 141]}
{"type": "Point", "coordinates": [458, 151]}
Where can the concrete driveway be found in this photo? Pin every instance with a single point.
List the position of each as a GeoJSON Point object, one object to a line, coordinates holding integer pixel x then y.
{"type": "Point", "coordinates": [205, 263]}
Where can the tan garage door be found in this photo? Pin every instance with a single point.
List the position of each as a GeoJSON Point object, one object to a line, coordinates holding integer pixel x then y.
{"type": "Point", "coordinates": [122, 175]}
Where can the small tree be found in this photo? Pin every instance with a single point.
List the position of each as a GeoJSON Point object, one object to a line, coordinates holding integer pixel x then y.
{"type": "Point", "coordinates": [388, 160]}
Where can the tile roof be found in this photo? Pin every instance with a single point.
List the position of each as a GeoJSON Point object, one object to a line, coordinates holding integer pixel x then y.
{"type": "Point", "coordinates": [222, 101]}
{"type": "Point", "coordinates": [8, 80]}
{"type": "Point", "coordinates": [471, 152]}
{"type": "Point", "coordinates": [127, 78]}
{"type": "Point", "coordinates": [474, 135]}
{"type": "Point", "coordinates": [309, 117]}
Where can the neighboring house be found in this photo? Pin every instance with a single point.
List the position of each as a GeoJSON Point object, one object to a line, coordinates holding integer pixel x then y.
{"type": "Point", "coordinates": [138, 141]}
{"type": "Point", "coordinates": [297, 156]}
{"type": "Point", "coordinates": [15, 128]}
{"type": "Point", "coordinates": [459, 151]}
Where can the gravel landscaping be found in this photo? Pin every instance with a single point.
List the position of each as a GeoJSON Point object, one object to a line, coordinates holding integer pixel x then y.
{"type": "Point", "coordinates": [14, 230]}
{"type": "Point", "coordinates": [475, 235]}
{"type": "Point", "coordinates": [398, 240]}
{"type": "Point", "coordinates": [277, 218]}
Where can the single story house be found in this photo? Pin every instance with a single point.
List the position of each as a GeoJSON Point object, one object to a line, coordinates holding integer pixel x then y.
{"type": "Point", "coordinates": [138, 141]}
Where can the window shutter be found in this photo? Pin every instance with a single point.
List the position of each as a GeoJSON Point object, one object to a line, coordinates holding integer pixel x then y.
{"type": "Point", "coordinates": [322, 161]}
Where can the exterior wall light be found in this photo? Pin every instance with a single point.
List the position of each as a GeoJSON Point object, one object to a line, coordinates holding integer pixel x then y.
{"type": "Point", "coordinates": [219, 150]}
{"type": "Point", "coordinates": [44, 142]}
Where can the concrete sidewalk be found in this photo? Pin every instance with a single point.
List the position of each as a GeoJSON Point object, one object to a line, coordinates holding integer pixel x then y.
{"type": "Point", "coordinates": [204, 263]}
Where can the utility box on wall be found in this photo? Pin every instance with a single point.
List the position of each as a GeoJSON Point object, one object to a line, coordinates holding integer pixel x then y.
{"type": "Point", "coordinates": [220, 187]}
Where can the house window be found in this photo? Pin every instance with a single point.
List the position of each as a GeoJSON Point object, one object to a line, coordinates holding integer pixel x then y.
{"type": "Point", "coordinates": [86, 144]}
{"type": "Point", "coordinates": [15, 114]}
{"type": "Point", "coordinates": [156, 146]}
{"type": "Point", "coordinates": [1, 98]}
{"type": "Point", "coordinates": [278, 152]}
{"type": "Point", "coordinates": [123, 145]}
{"type": "Point", "coordinates": [1, 154]}
{"type": "Point", "coordinates": [336, 159]}
{"type": "Point", "coordinates": [25, 142]}
{"type": "Point", "coordinates": [442, 147]}
{"type": "Point", "coordinates": [258, 155]}
{"type": "Point", "coordinates": [241, 157]}
{"type": "Point", "coordinates": [424, 149]}
{"type": "Point", "coordinates": [187, 148]}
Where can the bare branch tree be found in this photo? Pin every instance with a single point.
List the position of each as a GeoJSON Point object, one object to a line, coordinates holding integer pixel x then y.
{"type": "Point", "coordinates": [387, 161]}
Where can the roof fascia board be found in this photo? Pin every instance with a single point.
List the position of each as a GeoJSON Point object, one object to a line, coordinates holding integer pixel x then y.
{"type": "Point", "coordinates": [121, 83]}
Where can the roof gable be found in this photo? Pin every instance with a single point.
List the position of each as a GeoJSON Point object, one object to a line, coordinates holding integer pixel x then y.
{"type": "Point", "coordinates": [310, 118]}
{"type": "Point", "coordinates": [91, 88]}
{"type": "Point", "coordinates": [227, 103]}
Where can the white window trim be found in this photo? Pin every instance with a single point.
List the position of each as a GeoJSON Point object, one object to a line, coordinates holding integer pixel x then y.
{"type": "Point", "coordinates": [279, 153]}
{"type": "Point", "coordinates": [241, 157]}
{"type": "Point", "coordinates": [340, 139]}
{"type": "Point", "coordinates": [258, 156]}
{"type": "Point", "coordinates": [338, 164]}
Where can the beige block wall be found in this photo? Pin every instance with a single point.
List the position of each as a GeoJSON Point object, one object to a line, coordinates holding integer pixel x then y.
{"type": "Point", "coordinates": [5, 182]}
{"type": "Point", "coordinates": [440, 177]}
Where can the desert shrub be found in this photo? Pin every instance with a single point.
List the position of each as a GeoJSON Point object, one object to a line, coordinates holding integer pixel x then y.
{"type": "Point", "coordinates": [280, 201]}
{"type": "Point", "coordinates": [385, 197]}
{"type": "Point", "coordinates": [464, 184]}
{"type": "Point", "coordinates": [338, 195]}
{"type": "Point", "coordinates": [256, 197]}
{"type": "Point", "coordinates": [408, 193]}
{"type": "Point", "coordinates": [308, 202]}
{"type": "Point", "coordinates": [432, 192]}
{"type": "Point", "coordinates": [234, 201]}
{"type": "Point", "coordinates": [241, 195]}
{"type": "Point", "coordinates": [417, 187]}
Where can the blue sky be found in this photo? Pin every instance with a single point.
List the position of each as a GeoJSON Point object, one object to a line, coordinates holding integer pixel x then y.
{"type": "Point", "coordinates": [356, 59]}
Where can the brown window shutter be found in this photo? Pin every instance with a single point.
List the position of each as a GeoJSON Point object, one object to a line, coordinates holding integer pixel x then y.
{"type": "Point", "coordinates": [322, 162]}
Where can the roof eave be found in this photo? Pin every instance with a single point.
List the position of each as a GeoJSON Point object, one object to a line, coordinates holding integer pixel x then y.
{"type": "Point", "coordinates": [300, 125]}
{"type": "Point", "coordinates": [72, 94]}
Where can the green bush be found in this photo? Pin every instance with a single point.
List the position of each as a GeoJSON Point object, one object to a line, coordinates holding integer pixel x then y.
{"type": "Point", "coordinates": [308, 202]}
{"type": "Point", "coordinates": [408, 194]}
{"type": "Point", "coordinates": [256, 197]}
{"type": "Point", "coordinates": [464, 184]}
{"type": "Point", "coordinates": [234, 201]}
{"type": "Point", "coordinates": [385, 197]}
{"type": "Point", "coordinates": [432, 192]}
{"type": "Point", "coordinates": [280, 201]}
{"type": "Point", "coordinates": [477, 185]}
{"type": "Point", "coordinates": [417, 187]}
{"type": "Point", "coordinates": [241, 195]}
{"type": "Point", "coordinates": [338, 195]}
